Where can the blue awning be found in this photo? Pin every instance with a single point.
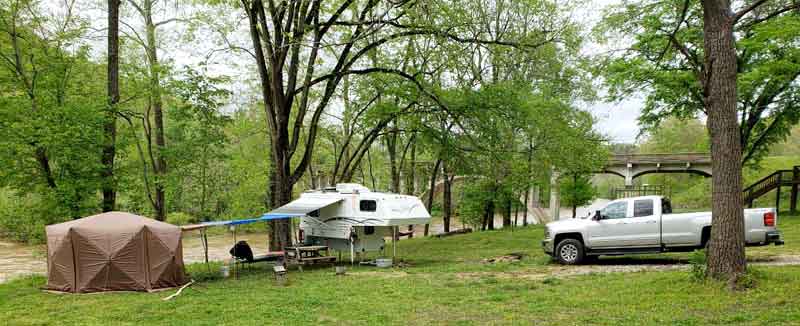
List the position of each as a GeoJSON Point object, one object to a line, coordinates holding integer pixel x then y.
{"type": "Point", "coordinates": [262, 218]}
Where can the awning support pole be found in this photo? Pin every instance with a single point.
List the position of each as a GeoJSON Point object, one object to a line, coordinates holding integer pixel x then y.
{"type": "Point", "coordinates": [233, 259]}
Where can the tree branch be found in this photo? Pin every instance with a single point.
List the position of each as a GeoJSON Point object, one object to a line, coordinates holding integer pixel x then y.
{"type": "Point", "coordinates": [739, 14]}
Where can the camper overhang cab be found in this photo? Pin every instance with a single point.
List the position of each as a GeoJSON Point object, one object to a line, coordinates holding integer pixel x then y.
{"type": "Point", "coordinates": [351, 217]}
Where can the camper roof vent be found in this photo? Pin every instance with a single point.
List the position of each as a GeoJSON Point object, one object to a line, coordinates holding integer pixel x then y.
{"type": "Point", "coordinates": [351, 188]}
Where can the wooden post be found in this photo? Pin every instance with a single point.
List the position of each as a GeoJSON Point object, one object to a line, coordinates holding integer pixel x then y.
{"type": "Point", "coordinates": [778, 195]}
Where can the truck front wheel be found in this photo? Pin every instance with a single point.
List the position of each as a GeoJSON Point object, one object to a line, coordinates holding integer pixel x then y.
{"type": "Point", "coordinates": [569, 252]}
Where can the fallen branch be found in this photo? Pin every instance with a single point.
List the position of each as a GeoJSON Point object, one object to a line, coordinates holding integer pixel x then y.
{"type": "Point", "coordinates": [454, 232]}
{"type": "Point", "coordinates": [179, 291]}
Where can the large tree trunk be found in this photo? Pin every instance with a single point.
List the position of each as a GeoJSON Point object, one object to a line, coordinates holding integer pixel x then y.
{"type": "Point", "coordinates": [280, 235]}
{"type": "Point", "coordinates": [726, 258]}
{"type": "Point", "coordinates": [156, 104]}
{"type": "Point", "coordinates": [110, 123]}
{"type": "Point", "coordinates": [447, 197]}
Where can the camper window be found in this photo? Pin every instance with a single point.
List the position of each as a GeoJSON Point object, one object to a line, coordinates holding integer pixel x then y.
{"type": "Point", "coordinates": [314, 213]}
{"type": "Point", "coordinates": [369, 230]}
{"type": "Point", "coordinates": [367, 206]}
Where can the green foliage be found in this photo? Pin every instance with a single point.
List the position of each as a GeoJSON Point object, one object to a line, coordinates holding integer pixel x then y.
{"type": "Point", "coordinates": [666, 68]}
{"type": "Point", "coordinates": [50, 125]}
{"type": "Point", "coordinates": [576, 190]}
{"type": "Point", "coordinates": [698, 263]}
{"type": "Point", "coordinates": [180, 218]}
{"type": "Point", "coordinates": [23, 216]}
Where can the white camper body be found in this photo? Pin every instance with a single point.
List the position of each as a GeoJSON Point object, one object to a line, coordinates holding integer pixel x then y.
{"type": "Point", "coordinates": [352, 218]}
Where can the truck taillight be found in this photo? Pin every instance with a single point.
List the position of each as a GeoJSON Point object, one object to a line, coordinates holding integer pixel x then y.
{"type": "Point", "coordinates": [769, 219]}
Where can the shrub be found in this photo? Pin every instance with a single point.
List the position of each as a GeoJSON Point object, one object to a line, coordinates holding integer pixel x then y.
{"type": "Point", "coordinates": [697, 260]}
{"type": "Point", "coordinates": [23, 217]}
{"type": "Point", "coordinates": [180, 218]}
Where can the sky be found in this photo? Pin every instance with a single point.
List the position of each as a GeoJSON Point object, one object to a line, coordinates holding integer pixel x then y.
{"type": "Point", "coordinates": [616, 120]}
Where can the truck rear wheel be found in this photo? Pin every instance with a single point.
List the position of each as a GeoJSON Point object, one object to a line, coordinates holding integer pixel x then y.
{"type": "Point", "coordinates": [569, 252]}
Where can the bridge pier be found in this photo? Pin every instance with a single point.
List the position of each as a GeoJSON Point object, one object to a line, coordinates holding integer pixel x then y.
{"type": "Point", "coordinates": [629, 175]}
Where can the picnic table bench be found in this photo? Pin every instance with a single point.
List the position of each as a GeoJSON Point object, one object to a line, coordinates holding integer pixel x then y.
{"type": "Point", "coordinates": [308, 255]}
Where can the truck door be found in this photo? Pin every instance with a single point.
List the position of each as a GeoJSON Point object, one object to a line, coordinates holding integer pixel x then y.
{"type": "Point", "coordinates": [626, 223]}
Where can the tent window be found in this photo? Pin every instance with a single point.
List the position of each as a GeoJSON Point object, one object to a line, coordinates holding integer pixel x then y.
{"type": "Point", "coordinates": [368, 205]}
{"type": "Point", "coordinates": [369, 230]}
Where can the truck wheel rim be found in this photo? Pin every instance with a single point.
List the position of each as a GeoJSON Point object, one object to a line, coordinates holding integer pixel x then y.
{"type": "Point", "coordinates": [569, 252]}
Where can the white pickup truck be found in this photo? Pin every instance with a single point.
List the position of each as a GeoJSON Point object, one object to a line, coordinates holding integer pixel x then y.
{"type": "Point", "coordinates": [646, 224]}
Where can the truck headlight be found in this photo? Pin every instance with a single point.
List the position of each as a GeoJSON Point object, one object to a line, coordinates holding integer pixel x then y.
{"type": "Point", "coordinates": [547, 233]}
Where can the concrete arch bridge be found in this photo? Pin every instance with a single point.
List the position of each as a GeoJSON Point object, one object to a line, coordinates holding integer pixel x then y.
{"type": "Point", "coordinates": [631, 166]}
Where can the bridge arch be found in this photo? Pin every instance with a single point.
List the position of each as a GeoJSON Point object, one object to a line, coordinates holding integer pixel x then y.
{"type": "Point", "coordinates": [631, 166]}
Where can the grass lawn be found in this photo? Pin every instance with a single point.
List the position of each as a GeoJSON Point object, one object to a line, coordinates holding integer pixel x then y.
{"type": "Point", "coordinates": [446, 284]}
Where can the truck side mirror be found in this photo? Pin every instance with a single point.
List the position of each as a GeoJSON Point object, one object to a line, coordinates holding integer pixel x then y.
{"type": "Point", "coordinates": [597, 216]}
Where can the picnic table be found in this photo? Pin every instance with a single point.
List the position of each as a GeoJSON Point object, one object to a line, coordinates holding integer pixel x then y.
{"type": "Point", "coordinates": [308, 255]}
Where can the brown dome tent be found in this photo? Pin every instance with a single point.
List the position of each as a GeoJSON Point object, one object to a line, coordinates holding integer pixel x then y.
{"type": "Point", "coordinates": [114, 251]}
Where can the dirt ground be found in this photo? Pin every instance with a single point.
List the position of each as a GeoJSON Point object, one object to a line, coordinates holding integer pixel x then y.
{"type": "Point", "coordinates": [619, 265]}
{"type": "Point", "coordinates": [18, 260]}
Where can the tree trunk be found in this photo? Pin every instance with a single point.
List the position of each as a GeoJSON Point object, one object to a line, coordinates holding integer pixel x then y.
{"type": "Point", "coordinates": [485, 218]}
{"type": "Point", "coordinates": [110, 120]}
{"type": "Point", "coordinates": [157, 104]}
{"type": "Point", "coordinates": [516, 216]}
{"type": "Point", "coordinates": [525, 210]}
{"type": "Point", "coordinates": [313, 174]}
{"type": "Point", "coordinates": [490, 215]}
{"type": "Point", "coordinates": [726, 258]}
{"type": "Point", "coordinates": [507, 214]}
{"type": "Point", "coordinates": [434, 174]}
{"type": "Point", "coordinates": [280, 232]}
{"type": "Point", "coordinates": [391, 148]}
{"type": "Point", "coordinates": [574, 185]}
{"type": "Point", "coordinates": [411, 177]}
{"type": "Point", "coordinates": [447, 197]}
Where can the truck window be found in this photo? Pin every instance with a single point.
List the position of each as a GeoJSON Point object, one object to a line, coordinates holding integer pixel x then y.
{"type": "Point", "coordinates": [615, 210]}
{"type": "Point", "coordinates": [642, 207]}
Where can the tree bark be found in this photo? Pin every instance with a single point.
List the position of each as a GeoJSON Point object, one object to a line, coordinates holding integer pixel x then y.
{"type": "Point", "coordinates": [507, 213]}
{"type": "Point", "coordinates": [525, 210]}
{"type": "Point", "coordinates": [490, 215]}
{"type": "Point", "coordinates": [110, 124]}
{"type": "Point", "coordinates": [447, 197]}
{"type": "Point", "coordinates": [156, 104]}
{"type": "Point", "coordinates": [429, 204]}
{"type": "Point", "coordinates": [726, 257]}
{"type": "Point", "coordinates": [574, 185]}
{"type": "Point", "coordinates": [411, 176]}
{"type": "Point", "coordinates": [391, 148]}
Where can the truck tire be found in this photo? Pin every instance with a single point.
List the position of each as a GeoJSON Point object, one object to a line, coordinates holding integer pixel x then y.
{"type": "Point", "coordinates": [569, 252]}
